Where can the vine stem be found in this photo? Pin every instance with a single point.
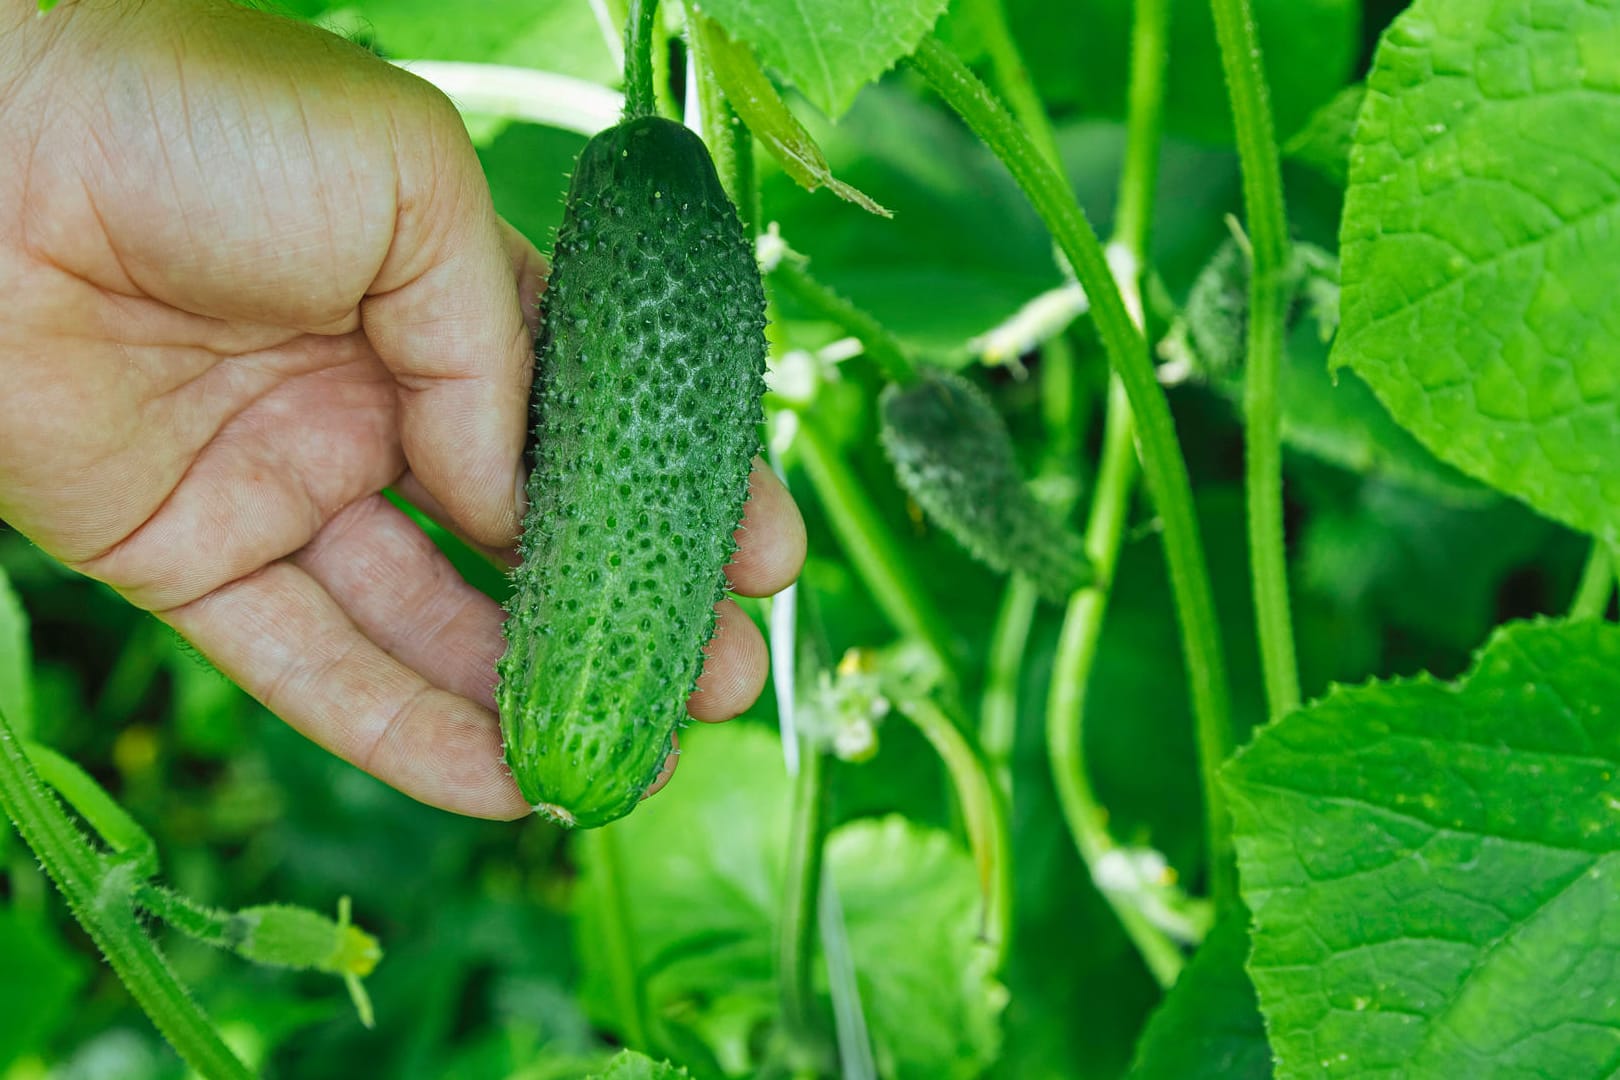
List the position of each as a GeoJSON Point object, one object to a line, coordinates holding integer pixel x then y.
{"type": "Point", "coordinates": [870, 545]}
{"type": "Point", "coordinates": [1268, 297]}
{"type": "Point", "coordinates": [801, 891]}
{"type": "Point", "coordinates": [100, 893]}
{"type": "Point", "coordinates": [1162, 463]}
{"type": "Point", "coordinates": [790, 276]}
{"type": "Point", "coordinates": [640, 30]}
{"type": "Point", "coordinates": [1596, 585]}
{"type": "Point", "coordinates": [625, 976]}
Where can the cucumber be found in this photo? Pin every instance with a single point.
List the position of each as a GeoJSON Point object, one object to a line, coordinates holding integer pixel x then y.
{"type": "Point", "coordinates": [954, 456]}
{"type": "Point", "coordinates": [649, 374]}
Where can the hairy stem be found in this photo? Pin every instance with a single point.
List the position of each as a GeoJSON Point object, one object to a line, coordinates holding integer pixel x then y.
{"type": "Point", "coordinates": [100, 893]}
{"type": "Point", "coordinates": [998, 708]}
{"type": "Point", "coordinates": [639, 73]}
{"type": "Point", "coordinates": [1268, 237]}
{"type": "Point", "coordinates": [1163, 465]}
{"type": "Point", "coordinates": [884, 348]}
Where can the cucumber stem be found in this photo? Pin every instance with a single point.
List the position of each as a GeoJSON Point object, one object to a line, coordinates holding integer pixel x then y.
{"type": "Point", "coordinates": [800, 891]}
{"type": "Point", "coordinates": [639, 72]}
{"type": "Point", "coordinates": [1162, 461]}
{"type": "Point", "coordinates": [100, 893]}
{"type": "Point", "coordinates": [790, 276]}
{"type": "Point", "coordinates": [1592, 593]}
{"type": "Point", "coordinates": [1268, 300]}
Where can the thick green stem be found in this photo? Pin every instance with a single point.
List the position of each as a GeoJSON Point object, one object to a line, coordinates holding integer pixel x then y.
{"type": "Point", "coordinates": [624, 975]}
{"type": "Point", "coordinates": [100, 893]}
{"type": "Point", "coordinates": [1268, 298]}
{"type": "Point", "coordinates": [1163, 465]}
{"type": "Point", "coordinates": [984, 815]}
{"type": "Point", "coordinates": [870, 545]}
{"type": "Point", "coordinates": [883, 347]}
{"type": "Point", "coordinates": [800, 892]}
{"type": "Point", "coordinates": [640, 33]}
{"type": "Point", "coordinates": [1596, 585]}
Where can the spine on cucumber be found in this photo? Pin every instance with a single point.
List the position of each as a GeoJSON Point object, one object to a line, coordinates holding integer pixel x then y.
{"type": "Point", "coordinates": [649, 372]}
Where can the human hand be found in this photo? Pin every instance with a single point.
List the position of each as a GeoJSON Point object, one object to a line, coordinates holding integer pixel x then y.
{"type": "Point", "coordinates": [254, 277]}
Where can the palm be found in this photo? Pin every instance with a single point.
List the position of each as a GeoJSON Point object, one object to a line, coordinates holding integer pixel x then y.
{"type": "Point", "coordinates": [256, 287]}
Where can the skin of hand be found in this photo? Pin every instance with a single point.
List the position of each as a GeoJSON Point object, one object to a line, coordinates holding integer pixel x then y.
{"type": "Point", "coordinates": [254, 276]}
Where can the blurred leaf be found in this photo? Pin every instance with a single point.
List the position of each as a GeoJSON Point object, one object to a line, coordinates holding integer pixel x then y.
{"type": "Point", "coordinates": [1431, 867]}
{"type": "Point", "coordinates": [629, 1065]}
{"type": "Point", "coordinates": [1480, 254]}
{"type": "Point", "coordinates": [1324, 142]}
{"type": "Point", "coordinates": [1419, 564]}
{"type": "Point", "coordinates": [41, 977]}
{"type": "Point", "coordinates": [1079, 55]}
{"type": "Point", "coordinates": [828, 49]}
{"type": "Point", "coordinates": [528, 168]}
{"type": "Point", "coordinates": [559, 37]}
{"type": "Point", "coordinates": [16, 661]}
{"type": "Point", "coordinates": [711, 847]}
{"type": "Point", "coordinates": [1208, 1025]}
{"type": "Point", "coordinates": [964, 249]}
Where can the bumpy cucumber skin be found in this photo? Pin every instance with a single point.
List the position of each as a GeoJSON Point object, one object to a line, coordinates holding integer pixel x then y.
{"type": "Point", "coordinates": [953, 454]}
{"type": "Point", "coordinates": [649, 373]}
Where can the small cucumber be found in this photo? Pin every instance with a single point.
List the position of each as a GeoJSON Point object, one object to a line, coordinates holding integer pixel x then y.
{"type": "Point", "coordinates": [952, 453]}
{"type": "Point", "coordinates": [649, 374]}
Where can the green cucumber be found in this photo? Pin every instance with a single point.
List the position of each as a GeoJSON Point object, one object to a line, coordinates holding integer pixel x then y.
{"type": "Point", "coordinates": [953, 455]}
{"type": "Point", "coordinates": [649, 373]}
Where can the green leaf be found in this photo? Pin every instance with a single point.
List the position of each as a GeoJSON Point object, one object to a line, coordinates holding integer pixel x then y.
{"type": "Point", "coordinates": [1324, 142]}
{"type": "Point", "coordinates": [561, 38]}
{"type": "Point", "coordinates": [953, 454]}
{"type": "Point", "coordinates": [41, 978]}
{"type": "Point", "coordinates": [1481, 250]}
{"type": "Point", "coordinates": [702, 869]}
{"type": "Point", "coordinates": [751, 93]}
{"type": "Point", "coordinates": [1432, 867]}
{"type": "Point", "coordinates": [964, 250]}
{"type": "Point", "coordinates": [1332, 417]}
{"type": "Point", "coordinates": [1209, 1023]}
{"type": "Point", "coordinates": [1079, 55]}
{"type": "Point", "coordinates": [16, 661]}
{"type": "Point", "coordinates": [829, 49]}
{"type": "Point", "coordinates": [629, 1065]}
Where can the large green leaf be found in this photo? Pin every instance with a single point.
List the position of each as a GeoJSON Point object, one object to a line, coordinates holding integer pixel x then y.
{"type": "Point", "coordinates": [629, 1065]}
{"type": "Point", "coordinates": [1079, 55]}
{"type": "Point", "coordinates": [1209, 1023]}
{"type": "Point", "coordinates": [701, 865]}
{"type": "Point", "coordinates": [828, 49]}
{"type": "Point", "coordinates": [1481, 245]}
{"type": "Point", "coordinates": [1432, 867]}
{"type": "Point", "coordinates": [564, 38]}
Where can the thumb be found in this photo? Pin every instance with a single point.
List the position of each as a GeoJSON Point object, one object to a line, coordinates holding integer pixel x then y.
{"type": "Point", "coordinates": [446, 316]}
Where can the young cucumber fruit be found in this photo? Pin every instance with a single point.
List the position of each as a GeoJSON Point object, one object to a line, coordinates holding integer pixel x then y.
{"type": "Point", "coordinates": [649, 372]}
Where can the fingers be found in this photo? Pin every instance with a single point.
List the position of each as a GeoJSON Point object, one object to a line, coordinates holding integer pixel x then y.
{"type": "Point", "coordinates": [736, 668]}
{"type": "Point", "coordinates": [668, 770]}
{"type": "Point", "coordinates": [771, 543]}
{"type": "Point", "coordinates": [281, 637]}
{"type": "Point", "coordinates": [529, 270]}
{"type": "Point", "coordinates": [402, 593]}
{"type": "Point", "coordinates": [446, 316]}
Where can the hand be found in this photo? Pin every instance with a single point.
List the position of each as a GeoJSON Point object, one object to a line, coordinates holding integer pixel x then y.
{"type": "Point", "coordinates": [253, 277]}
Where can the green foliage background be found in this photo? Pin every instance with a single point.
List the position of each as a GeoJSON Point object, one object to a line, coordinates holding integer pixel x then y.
{"type": "Point", "coordinates": [486, 966]}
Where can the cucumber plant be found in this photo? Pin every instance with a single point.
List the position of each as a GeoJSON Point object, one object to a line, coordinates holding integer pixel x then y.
{"type": "Point", "coordinates": [1358, 436]}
